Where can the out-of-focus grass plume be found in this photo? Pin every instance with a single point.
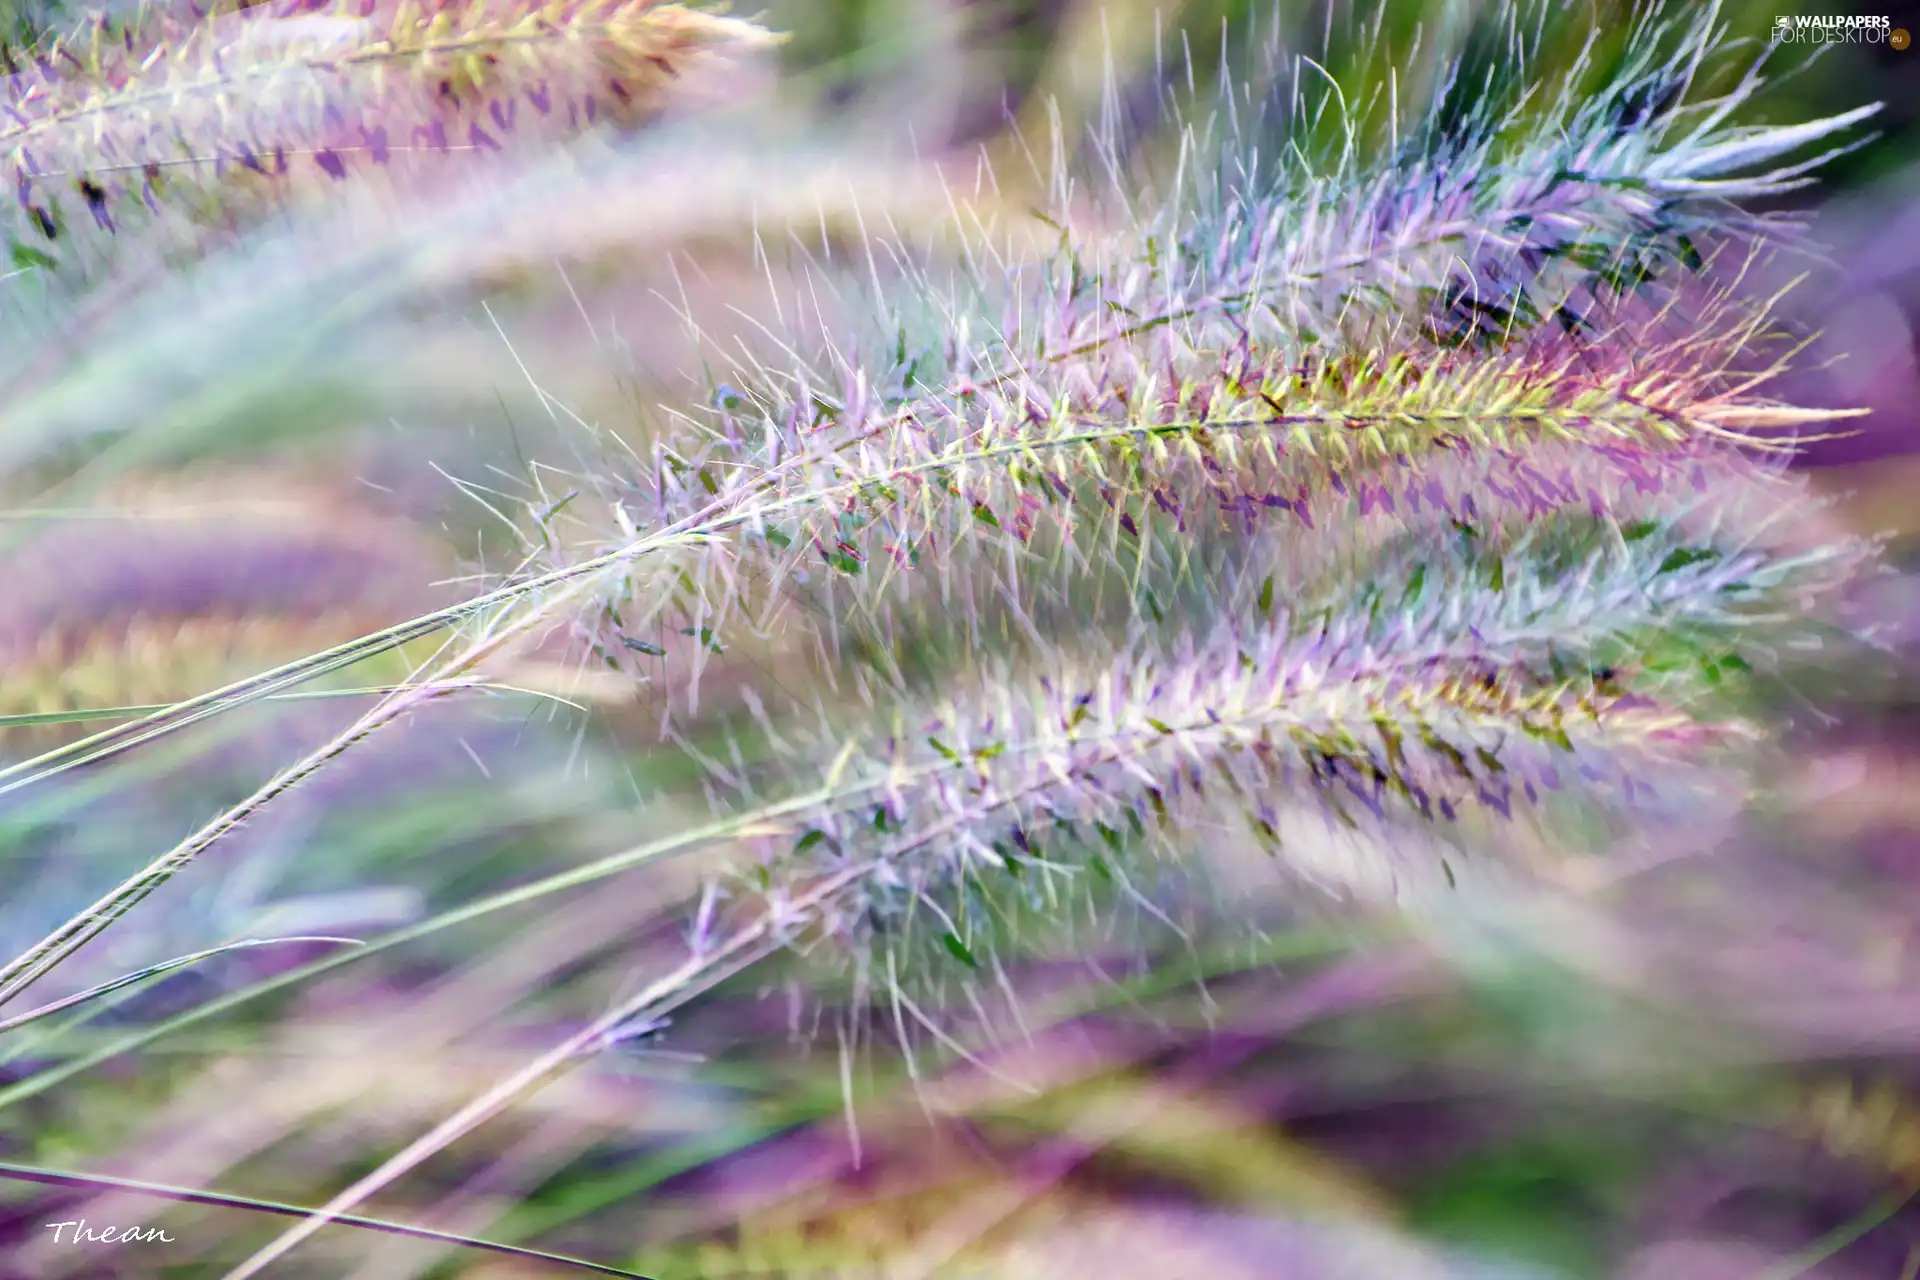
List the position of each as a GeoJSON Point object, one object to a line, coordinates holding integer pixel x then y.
{"type": "Point", "coordinates": [164, 589]}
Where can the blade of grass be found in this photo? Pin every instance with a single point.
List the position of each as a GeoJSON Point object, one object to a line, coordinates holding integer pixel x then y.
{"type": "Point", "coordinates": [1840, 1237]}
{"type": "Point", "coordinates": [161, 969]}
{"type": "Point", "coordinates": [40, 959]}
{"type": "Point", "coordinates": [588, 873]}
{"type": "Point", "coordinates": [84, 714]}
{"type": "Point", "coordinates": [760, 820]}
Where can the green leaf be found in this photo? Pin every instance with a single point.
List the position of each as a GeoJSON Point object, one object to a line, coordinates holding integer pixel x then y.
{"type": "Point", "coordinates": [641, 646]}
{"type": "Point", "coordinates": [959, 950]}
{"type": "Point", "coordinates": [25, 256]}
{"type": "Point", "coordinates": [944, 749]}
{"type": "Point", "coordinates": [1681, 557]}
{"type": "Point", "coordinates": [984, 514]}
{"type": "Point", "coordinates": [808, 840]}
{"type": "Point", "coordinates": [1550, 733]}
{"type": "Point", "coordinates": [1266, 595]}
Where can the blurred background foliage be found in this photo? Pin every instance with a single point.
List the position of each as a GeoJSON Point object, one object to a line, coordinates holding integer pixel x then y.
{"type": "Point", "coordinates": [1352, 1110]}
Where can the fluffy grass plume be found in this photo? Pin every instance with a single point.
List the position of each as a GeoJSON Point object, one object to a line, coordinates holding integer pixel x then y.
{"type": "Point", "coordinates": [118, 109]}
{"type": "Point", "coordinates": [1327, 506]}
{"type": "Point", "coordinates": [1122, 429]}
